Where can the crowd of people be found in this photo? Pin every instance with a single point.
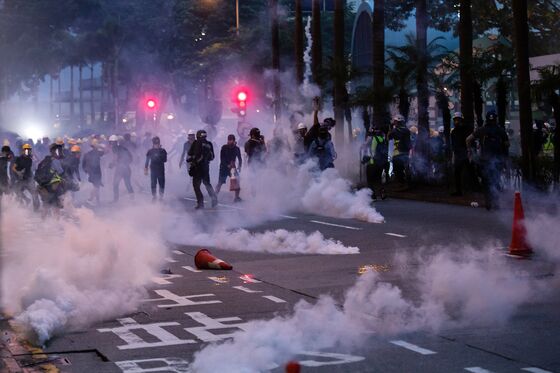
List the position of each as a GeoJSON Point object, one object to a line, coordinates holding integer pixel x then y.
{"type": "Point", "coordinates": [41, 173]}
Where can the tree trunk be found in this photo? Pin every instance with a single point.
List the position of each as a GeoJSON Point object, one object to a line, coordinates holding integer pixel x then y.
{"type": "Point", "coordinates": [317, 47]}
{"type": "Point", "coordinates": [478, 103]}
{"type": "Point", "coordinates": [275, 57]}
{"type": "Point", "coordinates": [91, 98]}
{"type": "Point", "coordinates": [404, 103]}
{"type": "Point", "coordinates": [501, 100]}
{"type": "Point", "coordinates": [72, 95]}
{"type": "Point", "coordinates": [81, 97]}
{"type": "Point", "coordinates": [378, 62]}
{"type": "Point", "coordinates": [298, 37]}
{"type": "Point", "coordinates": [339, 69]}
{"type": "Point", "coordinates": [421, 80]}
{"type": "Point", "coordinates": [521, 44]}
{"type": "Point", "coordinates": [115, 92]}
{"type": "Point", "coordinates": [466, 61]}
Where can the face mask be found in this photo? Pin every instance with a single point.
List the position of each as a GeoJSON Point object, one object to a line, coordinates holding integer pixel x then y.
{"type": "Point", "coordinates": [27, 152]}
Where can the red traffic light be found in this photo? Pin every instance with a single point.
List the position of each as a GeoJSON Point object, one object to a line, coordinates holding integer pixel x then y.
{"type": "Point", "coordinates": [242, 96]}
{"type": "Point", "coordinates": [151, 103]}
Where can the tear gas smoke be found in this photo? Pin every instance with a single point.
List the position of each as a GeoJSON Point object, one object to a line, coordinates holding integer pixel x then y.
{"type": "Point", "coordinates": [307, 89]}
{"type": "Point", "coordinates": [279, 241]}
{"type": "Point", "coordinates": [61, 275]}
{"type": "Point", "coordinates": [542, 236]}
{"type": "Point", "coordinates": [473, 288]}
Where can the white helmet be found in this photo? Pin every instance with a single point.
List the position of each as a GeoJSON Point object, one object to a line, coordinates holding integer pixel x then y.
{"type": "Point", "coordinates": [191, 132]}
{"type": "Point", "coordinates": [301, 126]}
{"type": "Point", "coordinates": [458, 115]}
{"type": "Point", "coordinates": [113, 138]}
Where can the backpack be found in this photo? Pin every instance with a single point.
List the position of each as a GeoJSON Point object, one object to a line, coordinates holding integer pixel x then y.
{"type": "Point", "coordinates": [381, 155]}
{"type": "Point", "coordinates": [492, 143]}
{"type": "Point", "coordinates": [44, 173]}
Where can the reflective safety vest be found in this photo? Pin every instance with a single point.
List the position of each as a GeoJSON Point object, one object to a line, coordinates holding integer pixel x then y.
{"type": "Point", "coordinates": [374, 141]}
{"type": "Point", "coordinates": [548, 146]}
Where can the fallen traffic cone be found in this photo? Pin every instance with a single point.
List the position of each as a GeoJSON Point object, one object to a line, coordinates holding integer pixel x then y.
{"type": "Point", "coordinates": [293, 367]}
{"type": "Point", "coordinates": [518, 245]}
{"type": "Point", "coordinates": [205, 260]}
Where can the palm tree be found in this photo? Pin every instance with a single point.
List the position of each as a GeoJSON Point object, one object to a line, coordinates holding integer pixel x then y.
{"type": "Point", "coordinates": [466, 57]}
{"type": "Point", "coordinates": [400, 71]}
{"type": "Point", "coordinates": [521, 43]}
{"type": "Point", "coordinates": [298, 37]}
{"type": "Point", "coordinates": [378, 32]}
{"type": "Point", "coordinates": [317, 48]}
{"type": "Point", "coordinates": [339, 63]}
{"type": "Point", "coordinates": [421, 74]}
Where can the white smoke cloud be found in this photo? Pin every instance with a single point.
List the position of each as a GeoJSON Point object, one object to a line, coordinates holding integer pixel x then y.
{"type": "Point", "coordinates": [65, 274]}
{"type": "Point", "coordinates": [279, 241]}
{"type": "Point", "coordinates": [473, 288]}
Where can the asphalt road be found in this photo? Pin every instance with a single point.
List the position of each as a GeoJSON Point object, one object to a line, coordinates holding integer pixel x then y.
{"type": "Point", "coordinates": [191, 308]}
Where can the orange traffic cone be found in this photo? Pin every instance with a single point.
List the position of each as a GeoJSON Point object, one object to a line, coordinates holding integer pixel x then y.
{"type": "Point", "coordinates": [205, 260]}
{"type": "Point", "coordinates": [518, 245]}
{"type": "Point", "coordinates": [293, 367]}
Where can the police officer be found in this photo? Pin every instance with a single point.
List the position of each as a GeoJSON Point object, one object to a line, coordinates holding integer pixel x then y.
{"type": "Point", "coordinates": [200, 155]}
{"type": "Point", "coordinates": [156, 158]}
{"type": "Point", "coordinates": [376, 157]}
{"type": "Point", "coordinates": [401, 149]}
{"type": "Point", "coordinates": [255, 147]}
{"type": "Point", "coordinates": [494, 146]}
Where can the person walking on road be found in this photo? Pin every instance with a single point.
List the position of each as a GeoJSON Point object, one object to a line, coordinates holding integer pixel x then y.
{"type": "Point", "coordinates": [122, 158]}
{"type": "Point", "coordinates": [376, 157]}
{"type": "Point", "coordinates": [155, 159]}
{"type": "Point", "coordinates": [91, 164]}
{"type": "Point", "coordinates": [229, 154]}
{"type": "Point", "coordinates": [200, 155]}
{"type": "Point", "coordinates": [461, 163]}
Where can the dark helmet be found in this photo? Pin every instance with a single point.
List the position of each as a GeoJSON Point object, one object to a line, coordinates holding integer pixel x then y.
{"type": "Point", "coordinates": [6, 149]}
{"type": "Point", "coordinates": [255, 133]}
{"type": "Point", "coordinates": [231, 137]}
{"type": "Point", "coordinates": [155, 140]}
{"type": "Point", "coordinates": [201, 134]}
{"type": "Point", "coordinates": [329, 122]}
{"type": "Point", "coordinates": [491, 115]}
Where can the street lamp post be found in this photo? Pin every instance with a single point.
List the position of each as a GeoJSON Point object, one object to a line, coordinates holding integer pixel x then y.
{"type": "Point", "coordinates": [237, 17]}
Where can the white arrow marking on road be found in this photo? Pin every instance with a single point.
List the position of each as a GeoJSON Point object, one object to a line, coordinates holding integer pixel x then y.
{"type": "Point", "coordinates": [535, 370]}
{"type": "Point", "coordinates": [395, 235]}
{"type": "Point", "coordinates": [246, 290]}
{"type": "Point", "coordinates": [477, 370]}
{"type": "Point", "coordinates": [178, 252]}
{"type": "Point", "coordinates": [189, 268]}
{"type": "Point", "coordinates": [411, 347]}
{"type": "Point", "coordinates": [335, 225]}
{"type": "Point", "coordinates": [274, 299]}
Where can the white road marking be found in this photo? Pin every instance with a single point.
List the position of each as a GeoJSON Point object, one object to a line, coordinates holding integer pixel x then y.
{"type": "Point", "coordinates": [241, 208]}
{"type": "Point", "coordinates": [535, 370]}
{"type": "Point", "coordinates": [178, 252]}
{"type": "Point", "coordinates": [170, 260]}
{"type": "Point", "coordinates": [274, 299]}
{"type": "Point", "coordinates": [246, 290]}
{"type": "Point", "coordinates": [477, 370]}
{"type": "Point", "coordinates": [180, 301]}
{"type": "Point", "coordinates": [411, 347]}
{"type": "Point", "coordinates": [189, 268]}
{"type": "Point", "coordinates": [219, 280]}
{"type": "Point", "coordinates": [246, 278]}
{"type": "Point", "coordinates": [335, 225]}
{"type": "Point", "coordinates": [396, 235]}
{"type": "Point", "coordinates": [288, 217]}
{"type": "Point", "coordinates": [163, 280]}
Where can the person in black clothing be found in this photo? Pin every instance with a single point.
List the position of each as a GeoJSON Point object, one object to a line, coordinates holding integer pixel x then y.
{"type": "Point", "coordinates": [401, 149]}
{"type": "Point", "coordinates": [229, 154]}
{"type": "Point", "coordinates": [6, 159]}
{"type": "Point", "coordinates": [186, 146]}
{"type": "Point", "coordinates": [156, 158]}
{"type": "Point", "coordinates": [494, 145]}
{"type": "Point", "coordinates": [23, 169]}
{"type": "Point", "coordinates": [91, 163]}
{"type": "Point", "coordinates": [122, 158]}
{"type": "Point", "coordinates": [375, 154]}
{"type": "Point", "coordinates": [255, 147]}
{"type": "Point", "coordinates": [200, 155]}
{"type": "Point", "coordinates": [461, 161]}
